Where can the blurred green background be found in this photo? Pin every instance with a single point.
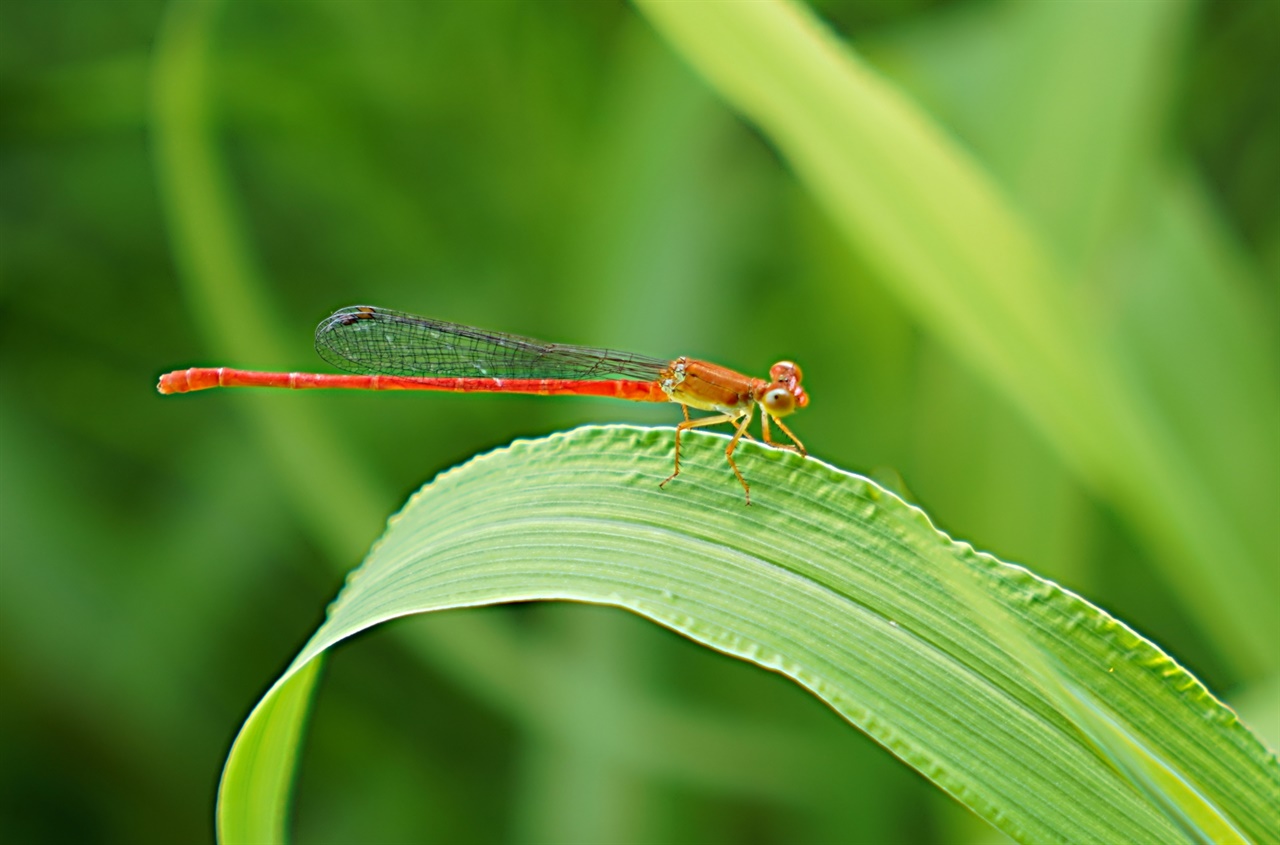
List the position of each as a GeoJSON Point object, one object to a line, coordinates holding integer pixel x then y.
{"type": "Point", "coordinates": [552, 169]}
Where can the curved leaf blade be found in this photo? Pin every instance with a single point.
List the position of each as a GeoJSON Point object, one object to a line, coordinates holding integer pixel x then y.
{"type": "Point", "coordinates": [262, 760]}
{"type": "Point", "coordinates": [826, 579]}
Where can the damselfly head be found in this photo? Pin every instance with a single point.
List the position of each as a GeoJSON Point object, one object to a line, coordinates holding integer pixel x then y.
{"type": "Point", "coordinates": [784, 395]}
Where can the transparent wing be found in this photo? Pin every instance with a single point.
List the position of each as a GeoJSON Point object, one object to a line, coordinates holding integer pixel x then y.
{"type": "Point", "coordinates": [376, 341]}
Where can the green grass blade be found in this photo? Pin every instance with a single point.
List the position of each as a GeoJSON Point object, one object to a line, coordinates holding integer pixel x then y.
{"type": "Point", "coordinates": [221, 278]}
{"type": "Point", "coordinates": [946, 240]}
{"type": "Point", "coordinates": [1089, 164]}
{"type": "Point", "coordinates": [262, 761]}
{"type": "Point", "coordinates": [837, 584]}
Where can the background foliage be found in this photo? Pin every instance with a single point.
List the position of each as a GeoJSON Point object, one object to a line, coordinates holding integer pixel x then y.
{"type": "Point", "coordinates": [554, 169]}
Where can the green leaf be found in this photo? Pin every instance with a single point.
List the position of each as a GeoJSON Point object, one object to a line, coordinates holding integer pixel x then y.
{"type": "Point", "coordinates": [1044, 715]}
{"type": "Point", "coordinates": [945, 239]}
{"type": "Point", "coordinates": [263, 758]}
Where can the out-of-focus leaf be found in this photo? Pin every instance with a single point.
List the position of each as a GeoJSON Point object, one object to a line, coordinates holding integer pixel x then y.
{"type": "Point", "coordinates": [946, 240]}
{"type": "Point", "coordinates": [1168, 284]}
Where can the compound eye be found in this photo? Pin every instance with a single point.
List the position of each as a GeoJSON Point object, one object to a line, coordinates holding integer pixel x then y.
{"type": "Point", "coordinates": [778, 401]}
